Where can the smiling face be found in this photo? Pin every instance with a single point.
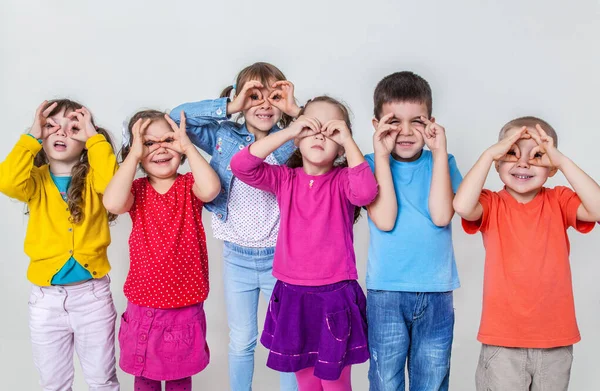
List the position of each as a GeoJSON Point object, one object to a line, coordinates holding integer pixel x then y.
{"type": "Point", "coordinates": [264, 117]}
{"type": "Point", "coordinates": [162, 163]}
{"type": "Point", "coordinates": [522, 179]}
{"type": "Point", "coordinates": [59, 147]}
{"type": "Point", "coordinates": [319, 150]}
{"type": "Point", "coordinates": [407, 116]}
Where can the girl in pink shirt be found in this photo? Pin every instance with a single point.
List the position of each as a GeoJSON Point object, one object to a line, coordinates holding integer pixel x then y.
{"type": "Point", "coordinates": [316, 322]}
{"type": "Point", "coordinates": [163, 330]}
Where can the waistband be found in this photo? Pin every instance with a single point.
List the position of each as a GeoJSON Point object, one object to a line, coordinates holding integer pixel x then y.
{"type": "Point", "coordinates": [249, 251]}
{"type": "Point", "coordinates": [79, 288]}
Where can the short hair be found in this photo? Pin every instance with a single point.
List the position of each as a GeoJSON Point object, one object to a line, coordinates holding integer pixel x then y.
{"type": "Point", "coordinates": [529, 122]}
{"type": "Point", "coordinates": [402, 87]}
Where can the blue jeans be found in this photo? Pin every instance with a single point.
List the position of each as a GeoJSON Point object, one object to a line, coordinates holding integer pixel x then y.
{"type": "Point", "coordinates": [417, 327]}
{"type": "Point", "coordinates": [247, 272]}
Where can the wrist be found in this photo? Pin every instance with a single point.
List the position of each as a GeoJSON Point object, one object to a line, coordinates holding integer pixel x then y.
{"type": "Point", "coordinates": [439, 153]}
{"type": "Point", "coordinates": [294, 112]}
{"type": "Point", "coordinates": [231, 108]}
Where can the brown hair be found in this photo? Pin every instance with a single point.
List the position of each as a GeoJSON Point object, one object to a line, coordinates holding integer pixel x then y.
{"type": "Point", "coordinates": [530, 122]}
{"type": "Point", "coordinates": [80, 170]}
{"type": "Point", "coordinates": [263, 72]}
{"type": "Point", "coordinates": [402, 87]}
{"type": "Point", "coordinates": [153, 115]}
{"type": "Point", "coordinates": [295, 160]}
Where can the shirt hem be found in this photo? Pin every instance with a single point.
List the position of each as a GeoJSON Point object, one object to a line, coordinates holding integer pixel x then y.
{"type": "Point", "coordinates": [413, 288]}
{"type": "Point", "coordinates": [526, 343]}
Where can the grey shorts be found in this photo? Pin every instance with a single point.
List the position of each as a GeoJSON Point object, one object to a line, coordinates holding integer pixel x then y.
{"type": "Point", "coordinates": [521, 369]}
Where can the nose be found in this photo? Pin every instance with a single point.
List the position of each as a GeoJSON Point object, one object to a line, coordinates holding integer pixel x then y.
{"type": "Point", "coordinates": [319, 136]}
{"type": "Point", "coordinates": [405, 129]}
{"type": "Point", "coordinates": [523, 161]}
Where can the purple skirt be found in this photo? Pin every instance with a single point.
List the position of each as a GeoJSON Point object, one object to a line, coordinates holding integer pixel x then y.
{"type": "Point", "coordinates": [324, 327]}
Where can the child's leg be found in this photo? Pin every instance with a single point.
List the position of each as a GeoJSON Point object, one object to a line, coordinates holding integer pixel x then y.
{"type": "Point", "coordinates": [143, 384]}
{"type": "Point", "coordinates": [307, 381]}
{"type": "Point", "coordinates": [92, 316]}
{"type": "Point", "coordinates": [502, 368]}
{"type": "Point", "coordinates": [341, 384]}
{"type": "Point", "coordinates": [553, 369]}
{"type": "Point", "coordinates": [179, 385]}
{"type": "Point", "coordinates": [389, 338]}
{"type": "Point", "coordinates": [431, 342]}
{"type": "Point", "coordinates": [241, 299]}
{"type": "Point", "coordinates": [51, 338]}
{"type": "Point", "coordinates": [287, 380]}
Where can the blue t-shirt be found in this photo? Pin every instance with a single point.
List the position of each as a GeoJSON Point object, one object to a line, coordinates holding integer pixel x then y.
{"type": "Point", "coordinates": [72, 271]}
{"type": "Point", "coordinates": [416, 256]}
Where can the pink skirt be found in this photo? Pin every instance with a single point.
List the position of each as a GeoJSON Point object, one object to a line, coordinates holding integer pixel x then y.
{"type": "Point", "coordinates": [163, 344]}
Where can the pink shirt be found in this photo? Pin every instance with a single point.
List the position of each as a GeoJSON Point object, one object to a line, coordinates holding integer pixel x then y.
{"type": "Point", "coordinates": [167, 246]}
{"type": "Point", "coordinates": [315, 241]}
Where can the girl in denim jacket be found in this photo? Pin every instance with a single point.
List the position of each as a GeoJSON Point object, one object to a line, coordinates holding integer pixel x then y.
{"type": "Point", "coordinates": [245, 218]}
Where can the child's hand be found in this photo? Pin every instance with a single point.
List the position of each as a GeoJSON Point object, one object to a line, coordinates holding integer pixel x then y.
{"type": "Point", "coordinates": [42, 125]}
{"type": "Point", "coordinates": [338, 131]}
{"type": "Point", "coordinates": [384, 139]}
{"type": "Point", "coordinates": [83, 128]}
{"type": "Point", "coordinates": [434, 135]}
{"type": "Point", "coordinates": [177, 140]}
{"type": "Point", "coordinates": [304, 127]}
{"type": "Point", "coordinates": [545, 154]}
{"type": "Point", "coordinates": [142, 145]}
{"type": "Point", "coordinates": [247, 98]}
{"type": "Point", "coordinates": [283, 98]}
{"type": "Point", "coordinates": [506, 149]}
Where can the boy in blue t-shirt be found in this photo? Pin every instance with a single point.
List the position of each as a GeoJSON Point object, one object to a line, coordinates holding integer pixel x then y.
{"type": "Point", "coordinates": [411, 269]}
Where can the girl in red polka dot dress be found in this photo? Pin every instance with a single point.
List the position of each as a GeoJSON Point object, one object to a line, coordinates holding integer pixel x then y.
{"type": "Point", "coordinates": [163, 331]}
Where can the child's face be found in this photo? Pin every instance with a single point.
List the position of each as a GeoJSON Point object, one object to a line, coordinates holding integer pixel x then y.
{"type": "Point", "coordinates": [59, 146]}
{"type": "Point", "coordinates": [407, 116]}
{"type": "Point", "coordinates": [264, 116]}
{"type": "Point", "coordinates": [522, 179]}
{"type": "Point", "coordinates": [318, 149]}
{"type": "Point", "coordinates": [164, 162]}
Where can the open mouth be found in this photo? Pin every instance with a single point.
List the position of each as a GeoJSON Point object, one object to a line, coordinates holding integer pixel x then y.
{"type": "Point", "coordinates": [60, 146]}
{"type": "Point", "coordinates": [163, 161]}
{"type": "Point", "coordinates": [264, 117]}
{"type": "Point", "coordinates": [522, 177]}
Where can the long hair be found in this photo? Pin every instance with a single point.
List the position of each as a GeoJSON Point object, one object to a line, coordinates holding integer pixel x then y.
{"type": "Point", "coordinates": [75, 197]}
{"type": "Point", "coordinates": [263, 72]}
{"type": "Point", "coordinates": [295, 160]}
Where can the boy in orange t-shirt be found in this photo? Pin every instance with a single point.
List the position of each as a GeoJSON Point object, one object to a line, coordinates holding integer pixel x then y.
{"type": "Point", "coordinates": [528, 321]}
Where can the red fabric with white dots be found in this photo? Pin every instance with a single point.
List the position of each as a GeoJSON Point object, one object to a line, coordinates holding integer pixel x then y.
{"type": "Point", "coordinates": [167, 246]}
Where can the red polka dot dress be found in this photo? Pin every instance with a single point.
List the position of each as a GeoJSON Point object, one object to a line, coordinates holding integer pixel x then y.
{"type": "Point", "coordinates": [169, 261]}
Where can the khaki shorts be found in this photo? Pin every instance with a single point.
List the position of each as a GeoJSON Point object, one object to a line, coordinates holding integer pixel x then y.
{"type": "Point", "coordinates": [521, 369]}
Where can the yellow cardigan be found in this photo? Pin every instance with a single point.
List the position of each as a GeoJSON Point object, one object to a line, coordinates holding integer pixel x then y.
{"type": "Point", "coordinates": [51, 238]}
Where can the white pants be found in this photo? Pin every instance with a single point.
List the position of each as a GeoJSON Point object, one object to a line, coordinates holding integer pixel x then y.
{"type": "Point", "coordinates": [82, 317]}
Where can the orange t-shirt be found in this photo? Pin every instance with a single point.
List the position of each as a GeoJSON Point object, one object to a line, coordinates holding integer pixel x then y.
{"type": "Point", "coordinates": [527, 289]}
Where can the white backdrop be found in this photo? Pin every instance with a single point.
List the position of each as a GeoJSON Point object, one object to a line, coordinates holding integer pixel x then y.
{"type": "Point", "coordinates": [487, 62]}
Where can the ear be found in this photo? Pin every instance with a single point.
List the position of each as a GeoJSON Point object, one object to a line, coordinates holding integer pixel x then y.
{"type": "Point", "coordinates": [375, 123]}
{"type": "Point", "coordinates": [497, 166]}
{"type": "Point", "coordinates": [432, 119]}
{"type": "Point", "coordinates": [341, 151]}
{"type": "Point", "coordinates": [552, 172]}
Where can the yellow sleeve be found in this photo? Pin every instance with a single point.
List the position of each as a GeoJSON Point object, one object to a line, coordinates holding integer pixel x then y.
{"type": "Point", "coordinates": [103, 162]}
{"type": "Point", "coordinates": [16, 172]}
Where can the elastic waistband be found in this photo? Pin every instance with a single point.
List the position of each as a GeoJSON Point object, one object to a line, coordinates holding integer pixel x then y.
{"type": "Point", "coordinates": [336, 286]}
{"type": "Point", "coordinates": [249, 251]}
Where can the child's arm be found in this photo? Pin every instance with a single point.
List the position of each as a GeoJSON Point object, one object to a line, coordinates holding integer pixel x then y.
{"type": "Point", "coordinates": [15, 172]}
{"type": "Point", "coordinates": [248, 165]}
{"type": "Point", "coordinates": [588, 191]}
{"type": "Point", "coordinates": [383, 211]}
{"type": "Point", "coordinates": [361, 187]}
{"type": "Point", "coordinates": [206, 181]}
{"type": "Point", "coordinates": [117, 197]}
{"type": "Point", "coordinates": [202, 121]}
{"type": "Point", "coordinates": [440, 192]}
{"type": "Point", "coordinates": [466, 202]}
{"type": "Point", "coordinates": [103, 162]}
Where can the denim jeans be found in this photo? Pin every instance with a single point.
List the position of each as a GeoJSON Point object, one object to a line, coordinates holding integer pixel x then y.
{"type": "Point", "coordinates": [247, 272]}
{"type": "Point", "coordinates": [413, 327]}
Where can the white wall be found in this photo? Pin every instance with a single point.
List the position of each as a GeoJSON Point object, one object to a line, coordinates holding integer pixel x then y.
{"type": "Point", "coordinates": [487, 63]}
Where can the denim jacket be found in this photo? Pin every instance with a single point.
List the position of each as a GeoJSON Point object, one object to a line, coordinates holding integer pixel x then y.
{"type": "Point", "coordinates": [208, 129]}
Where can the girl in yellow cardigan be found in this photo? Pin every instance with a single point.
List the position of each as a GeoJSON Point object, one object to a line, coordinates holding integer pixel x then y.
{"type": "Point", "coordinates": [60, 169]}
